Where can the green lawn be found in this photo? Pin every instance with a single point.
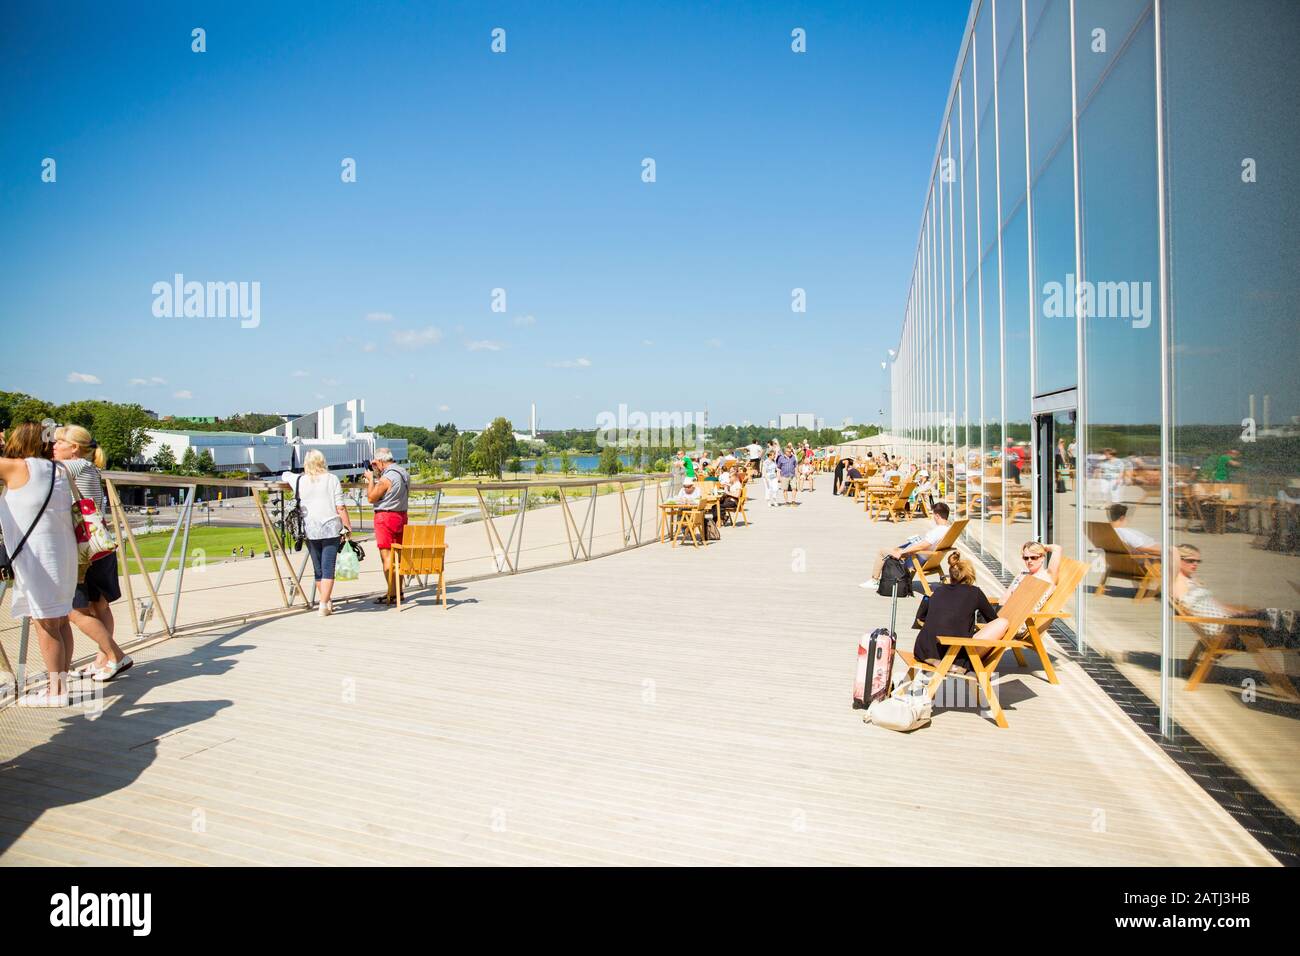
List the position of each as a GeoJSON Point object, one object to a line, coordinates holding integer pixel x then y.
{"type": "Point", "coordinates": [214, 543]}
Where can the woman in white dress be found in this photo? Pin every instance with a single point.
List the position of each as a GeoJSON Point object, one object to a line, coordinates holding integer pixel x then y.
{"type": "Point", "coordinates": [36, 517]}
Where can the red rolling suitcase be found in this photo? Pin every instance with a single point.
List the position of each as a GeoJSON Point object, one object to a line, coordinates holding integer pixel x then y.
{"type": "Point", "coordinates": [876, 661]}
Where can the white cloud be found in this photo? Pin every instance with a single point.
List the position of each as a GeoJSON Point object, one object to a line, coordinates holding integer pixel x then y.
{"type": "Point", "coordinates": [713, 343]}
{"type": "Point", "coordinates": [84, 378]}
{"type": "Point", "coordinates": [647, 343]}
{"type": "Point", "coordinates": [368, 347]}
{"type": "Point", "coordinates": [525, 320]}
{"type": "Point", "coordinates": [379, 316]}
{"type": "Point", "coordinates": [183, 393]}
{"type": "Point", "coordinates": [152, 380]}
{"type": "Point", "coordinates": [331, 382]}
{"type": "Point", "coordinates": [572, 363]}
{"type": "Point", "coordinates": [300, 374]}
{"type": "Point", "coordinates": [418, 338]}
{"type": "Point", "coordinates": [138, 381]}
{"type": "Point", "coordinates": [444, 408]}
{"type": "Point", "coordinates": [483, 345]}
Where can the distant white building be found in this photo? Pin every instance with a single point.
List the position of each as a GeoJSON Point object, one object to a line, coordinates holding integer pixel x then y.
{"type": "Point", "coordinates": [337, 431]}
{"type": "Point", "coordinates": [798, 420]}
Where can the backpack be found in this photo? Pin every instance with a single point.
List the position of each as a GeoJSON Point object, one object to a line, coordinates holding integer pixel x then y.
{"type": "Point", "coordinates": [895, 572]}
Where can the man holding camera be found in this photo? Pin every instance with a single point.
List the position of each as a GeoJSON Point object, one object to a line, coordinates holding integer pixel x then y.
{"type": "Point", "coordinates": [388, 488]}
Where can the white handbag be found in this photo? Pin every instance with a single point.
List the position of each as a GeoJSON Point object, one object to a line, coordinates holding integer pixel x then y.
{"type": "Point", "coordinates": [907, 708]}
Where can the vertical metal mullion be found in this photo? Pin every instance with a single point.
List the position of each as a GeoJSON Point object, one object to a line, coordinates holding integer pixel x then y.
{"type": "Point", "coordinates": [979, 271]}
{"type": "Point", "coordinates": [1081, 368]}
{"type": "Point", "coordinates": [1034, 504]}
{"type": "Point", "coordinates": [1166, 401]}
{"type": "Point", "coordinates": [1002, 307]}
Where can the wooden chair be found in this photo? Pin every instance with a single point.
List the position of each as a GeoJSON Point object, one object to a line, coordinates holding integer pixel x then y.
{"type": "Point", "coordinates": [739, 512]}
{"type": "Point", "coordinates": [422, 552]}
{"type": "Point", "coordinates": [1210, 647]}
{"type": "Point", "coordinates": [895, 504]}
{"type": "Point", "coordinates": [1122, 563]}
{"type": "Point", "coordinates": [984, 654]}
{"type": "Point", "coordinates": [934, 561]}
{"type": "Point", "coordinates": [1068, 579]}
{"type": "Point", "coordinates": [689, 521]}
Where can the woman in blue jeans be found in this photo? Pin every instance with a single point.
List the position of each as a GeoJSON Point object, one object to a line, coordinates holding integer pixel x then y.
{"type": "Point", "coordinates": [326, 520]}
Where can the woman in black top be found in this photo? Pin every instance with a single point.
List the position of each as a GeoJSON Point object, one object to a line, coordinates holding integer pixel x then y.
{"type": "Point", "coordinates": [951, 612]}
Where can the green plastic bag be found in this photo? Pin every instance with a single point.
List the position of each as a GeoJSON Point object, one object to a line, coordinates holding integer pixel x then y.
{"type": "Point", "coordinates": [347, 567]}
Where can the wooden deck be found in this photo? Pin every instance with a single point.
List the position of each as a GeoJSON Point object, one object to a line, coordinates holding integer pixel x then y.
{"type": "Point", "coordinates": [664, 706]}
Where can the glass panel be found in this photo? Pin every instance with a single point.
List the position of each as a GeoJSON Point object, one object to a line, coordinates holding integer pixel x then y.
{"type": "Point", "coordinates": [1018, 466]}
{"type": "Point", "coordinates": [1233, 311]}
{"type": "Point", "coordinates": [1118, 297]}
{"type": "Point", "coordinates": [1051, 148]}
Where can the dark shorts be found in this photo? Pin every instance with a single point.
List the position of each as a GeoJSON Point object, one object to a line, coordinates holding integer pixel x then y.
{"type": "Point", "coordinates": [324, 552]}
{"type": "Point", "coordinates": [101, 583]}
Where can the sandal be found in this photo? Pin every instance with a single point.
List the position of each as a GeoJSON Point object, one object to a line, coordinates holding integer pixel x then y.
{"type": "Point", "coordinates": [384, 600]}
{"type": "Point", "coordinates": [110, 671]}
{"type": "Point", "coordinates": [42, 698]}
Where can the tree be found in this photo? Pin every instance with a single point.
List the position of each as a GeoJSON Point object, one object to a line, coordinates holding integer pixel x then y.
{"type": "Point", "coordinates": [609, 463]}
{"type": "Point", "coordinates": [164, 459]}
{"type": "Point", "coordinates": [205, 464]}
{"type": "Point", "coordinates": [566, 463]}
{"type": "Point", "coordinates": [120, 431]}
{"type": "Point", "coordinates": [495, 446]}
{"type": "Point", "coordinates": [189, 462]}
{"type": "Point", "coordinates": [443, 451]}
{"type": "Point", "coordinates": [459, 456]}
{"type": "Point", "coordinates": [516, 466]}
{"type": "Point", "coordinates": [540, 467]}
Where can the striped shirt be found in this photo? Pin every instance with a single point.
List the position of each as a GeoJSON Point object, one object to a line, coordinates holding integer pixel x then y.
{"type": "Point", "coordinates": [89, 483]}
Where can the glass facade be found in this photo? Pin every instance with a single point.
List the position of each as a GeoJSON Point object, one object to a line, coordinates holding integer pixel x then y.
{"type": "Point", "coordinates": [1100, 344]}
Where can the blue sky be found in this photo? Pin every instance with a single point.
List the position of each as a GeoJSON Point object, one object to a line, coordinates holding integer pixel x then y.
{"type": "Point", "coordinates": [475, 171]}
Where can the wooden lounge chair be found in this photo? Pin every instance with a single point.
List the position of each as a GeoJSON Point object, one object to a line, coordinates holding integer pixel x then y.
{"type": "Point", "coordinates": [422, 552]}
{"type": "Point", "coordinates": [892, 503]}
{"type": "Point", "coordinates": [934, 559]}
{"type": "Point", "coordinates": [1210, 647]}
{"type": "Point", "coordinates": [1068, 579]}
{"type": "Point", "coordinates": [985, 654]}
{"type": "Point", "coordinates": [1144, 571]}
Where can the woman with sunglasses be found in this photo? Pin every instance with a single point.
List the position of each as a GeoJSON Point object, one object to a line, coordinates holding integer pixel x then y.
{"type": "Point", "coordinates": [1192, 595]}
{"type": "Point", "coordinates": [1042, 561]}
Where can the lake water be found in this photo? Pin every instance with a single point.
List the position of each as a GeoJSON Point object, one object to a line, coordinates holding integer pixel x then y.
{"type": "Point", "coordinates": [584, 463]}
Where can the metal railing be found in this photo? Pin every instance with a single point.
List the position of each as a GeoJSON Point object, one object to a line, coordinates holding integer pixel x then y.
{"type": "Point", "coordinates": [174, 581]}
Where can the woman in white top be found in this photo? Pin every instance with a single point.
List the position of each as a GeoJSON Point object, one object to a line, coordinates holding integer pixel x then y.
{"type": "Point", "coordinates": [325, 518]}
{"type": "Point", "coordinates": [36, 517]}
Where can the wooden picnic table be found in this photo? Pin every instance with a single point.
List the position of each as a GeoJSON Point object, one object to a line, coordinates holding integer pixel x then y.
{"type": "Point", "coordinates": [670, 513]}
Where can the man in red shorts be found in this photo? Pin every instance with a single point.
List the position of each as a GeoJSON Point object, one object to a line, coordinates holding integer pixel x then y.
{"type": "Point", "coordinates": [388, 488]}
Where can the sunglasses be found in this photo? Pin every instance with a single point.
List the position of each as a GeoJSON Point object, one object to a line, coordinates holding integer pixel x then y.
{"type": "Point", "coordinates": [1191, 560]}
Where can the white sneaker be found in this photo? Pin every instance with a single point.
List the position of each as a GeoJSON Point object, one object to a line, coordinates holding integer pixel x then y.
{"type": "Point", "coordinates": [871, 585]}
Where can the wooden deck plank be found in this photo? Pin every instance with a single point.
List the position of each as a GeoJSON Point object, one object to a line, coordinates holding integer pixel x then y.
{"type": "Point", "coordinates": [676, 706]}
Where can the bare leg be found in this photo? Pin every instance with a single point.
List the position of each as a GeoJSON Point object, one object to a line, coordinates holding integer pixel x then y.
{"type": "Point", "coordinates": [54, 651]}
{"type": "Point", "coordinates": [96, 622]}
{"type": "Point", "coordinates": [389, 582]}
{"type": "Point", "coordinates": [324, 588]}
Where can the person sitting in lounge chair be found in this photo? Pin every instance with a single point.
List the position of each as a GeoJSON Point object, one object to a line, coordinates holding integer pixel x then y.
{"type": "Point", "coordinates": [1139, 542]}
{"type": "Point", "coordinates": [915, 545]}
